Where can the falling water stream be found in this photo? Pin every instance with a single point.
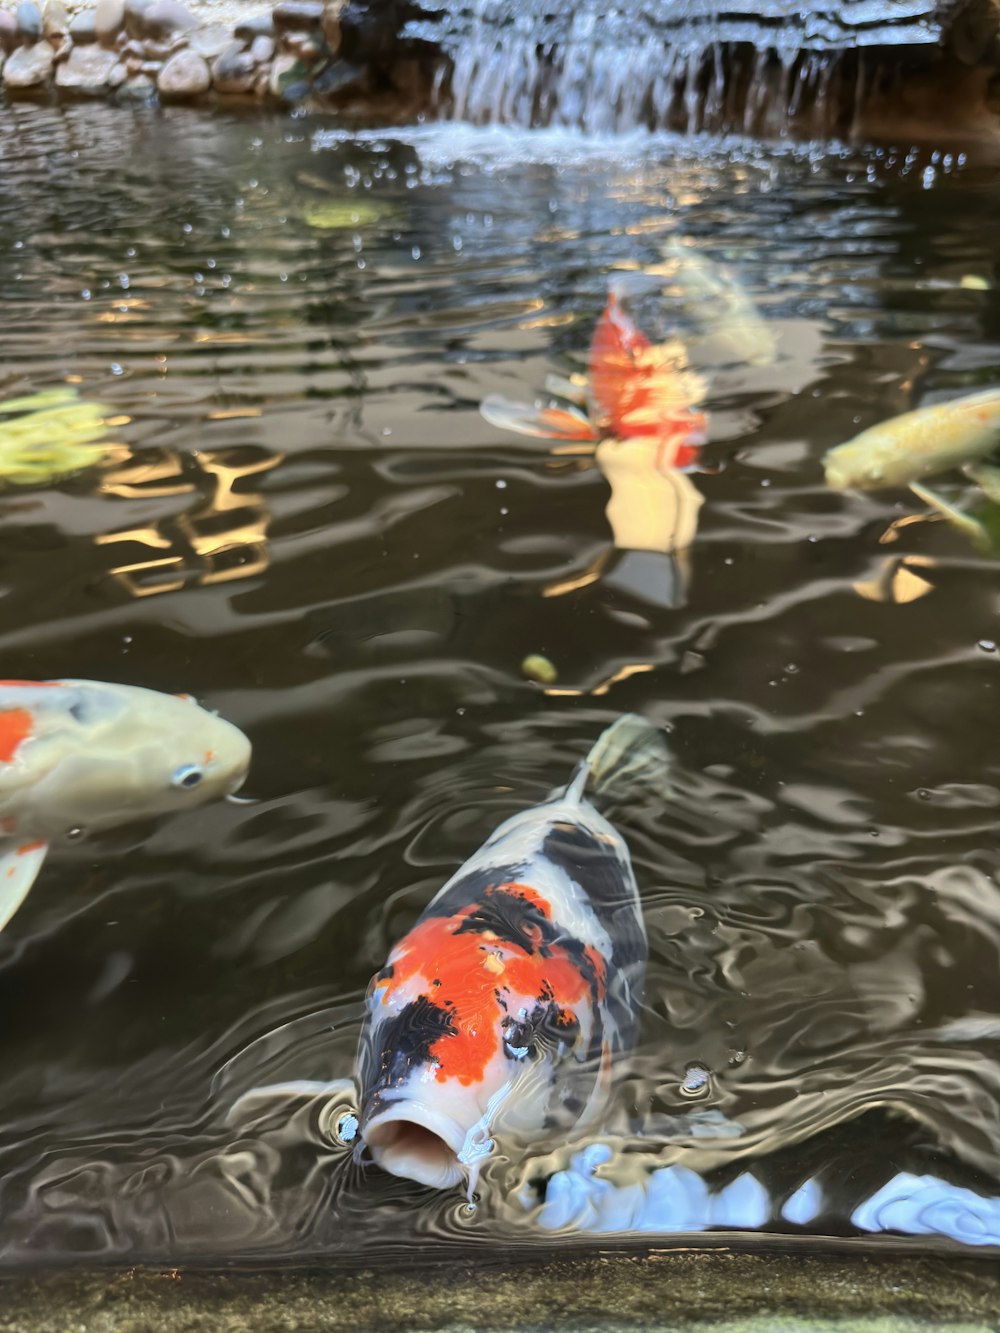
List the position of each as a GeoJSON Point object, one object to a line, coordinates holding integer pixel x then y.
{"type": "Point", "coordinates": [307, 524]}
{"type": "Point", "coordinates": [673, 65]}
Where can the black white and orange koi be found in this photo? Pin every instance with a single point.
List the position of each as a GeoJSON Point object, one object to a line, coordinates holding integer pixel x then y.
{"type": "Point", "coordinates": [85, 755]}
{"type": "Point", "coordinates": [505, 1009]}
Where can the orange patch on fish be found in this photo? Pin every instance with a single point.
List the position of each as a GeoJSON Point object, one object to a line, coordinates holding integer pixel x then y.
{"type": "Point", "coordinates": [16, 726]}
{"type": "Point", "coordinates": [469, 988]}
{"type": "Point", "coordinates": [525, 891]}
{"type": "Point", "coordinates": [638, 389]}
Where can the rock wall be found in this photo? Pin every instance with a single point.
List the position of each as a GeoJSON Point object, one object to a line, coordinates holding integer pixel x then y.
{"type": "Point", "coordinates": [324, 52]}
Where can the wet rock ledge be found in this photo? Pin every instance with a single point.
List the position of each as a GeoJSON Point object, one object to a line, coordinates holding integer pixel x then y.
{"type": "Point", "coordinates": [327, 52]}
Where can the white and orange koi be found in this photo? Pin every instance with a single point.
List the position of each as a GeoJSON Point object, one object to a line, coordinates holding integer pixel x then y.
{"type": "Point", "coordinates": [505, 1008]}
{"type": "Point", "coordinates": [634, 389]}
{"type": "Point", "coordinates": [85, 755]}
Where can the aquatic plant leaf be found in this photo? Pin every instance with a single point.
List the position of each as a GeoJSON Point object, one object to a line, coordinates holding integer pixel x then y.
{"type": "Point", "coordinates": [547, 423]}
{"type": "Point", "coordinates": [53, 434]}
{"type": "Point", "coordinates": [342, 216]}
{"type": "Point", "coordinates": [652, 507]}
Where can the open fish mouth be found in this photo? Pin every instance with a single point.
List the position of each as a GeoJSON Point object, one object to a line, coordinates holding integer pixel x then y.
{"type": "Point", "coordinates": [417, 1143]}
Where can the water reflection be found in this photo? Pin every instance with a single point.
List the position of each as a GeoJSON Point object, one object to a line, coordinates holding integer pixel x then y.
{"type": "Point", "coordinates": [821, 889]}
{"type": "Point", "coordinates": [223, 536]}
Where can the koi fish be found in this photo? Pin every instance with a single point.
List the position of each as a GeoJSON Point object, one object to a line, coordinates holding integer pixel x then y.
{"type": "Point", "coordinates": [637, 389]}
{"type": "Point", "coordinates": [918, 444]}
{"type": "Point", "coordinates": [81, 754]}
{"type": "Point", "coordinates": [634, 389]}
{"type": "Point", "coordinates": [505, 1008]}
{"type": "Point", "coordinates": [720, 306]}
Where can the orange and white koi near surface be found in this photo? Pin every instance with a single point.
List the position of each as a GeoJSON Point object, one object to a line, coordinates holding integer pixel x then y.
{"type": "Point", "coordinates": [505, 1009]}
{"type": "Point", "coordinates": [85, 755]}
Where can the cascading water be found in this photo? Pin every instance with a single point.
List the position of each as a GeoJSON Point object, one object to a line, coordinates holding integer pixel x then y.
{"type": "Point", "coordinates": [669, 64]}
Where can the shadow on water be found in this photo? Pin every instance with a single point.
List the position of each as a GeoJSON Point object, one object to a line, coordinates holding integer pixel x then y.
{"type": "Point", "coordinates": [315, 532]}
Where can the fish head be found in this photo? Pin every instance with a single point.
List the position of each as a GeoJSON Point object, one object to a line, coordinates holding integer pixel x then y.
{"type": "Point", "coordinates": [470, 1022]}
{"type": "Point", "coordinates": [104, 754]}
{"type": "Point", "coordinates": [854, 467]}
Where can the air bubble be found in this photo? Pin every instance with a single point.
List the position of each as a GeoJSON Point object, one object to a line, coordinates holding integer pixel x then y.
{"type": "Point", "coordinates": [697, 1079]}
{"type": "Point", "coordinates": [347, 1128]}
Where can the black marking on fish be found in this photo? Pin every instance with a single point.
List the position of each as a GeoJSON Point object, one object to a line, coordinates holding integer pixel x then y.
{"type": "Point", "coordinates": [595, 865]}
{"type": "Point", "coordinates": [546, 1028]}
{"type": "Point", "coordinates": [404, 1044]}
{"type": "Point", "coordinates": [513, 919]}
{"type": "Point", "coordinates": [471, 888]}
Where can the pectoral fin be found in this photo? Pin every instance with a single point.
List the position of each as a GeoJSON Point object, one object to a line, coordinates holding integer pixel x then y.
{"type": "Point", "coordinates": [19, 867]}
{"type": "Point", "coordinates": [546, 423]}
{"type": "Point", "coordinates": [965, 524]}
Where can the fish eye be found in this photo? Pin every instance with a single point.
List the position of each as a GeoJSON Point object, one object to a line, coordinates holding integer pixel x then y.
{"type": "Point", "coordinates": [187, 776]}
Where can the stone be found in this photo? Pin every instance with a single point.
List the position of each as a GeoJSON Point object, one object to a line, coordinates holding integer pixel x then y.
{"type": "Point", "coordinates": [340, 77]}
{"type": "Point", "coordinates": [55, 20]}
{"type": "Point", "coordinates": [28, 66]}
{"type": "Point", "coordinates": [307, 46]}
{"type": "Point", "coordinates": [247, 29]}
{"type": "Point", "coordinates": [29, 20]}
{"type": "Point", "coordinates": [159, 51]}
{"type": "Point", "coordinates": [160, 18]}
{"type": "Point", "coordinates": [233, 71]}
{"type": "Point", "coordinates": [8, 30]}
{"type": "Point", "coordinates": [331, 29]}
{"type": "Point", "coordinates": [262, 49]}
{"type": "Point", "coordinates": [210, 41]}
{"type": "Point", "coordinates": [117, 76]}
{"type": "Point", "coordinates": [109, 19]}
{"type": "Point", "coordinates": [285, 81]}
{"type": "Point", "coordinates": [87, 71]}
{"type": "Point", "coordinates": [137, 89]}
{"type": "Point", "coordinates": [83, 27]}
{"type": "Point", "coordinates": [296, 15]}
{"type": "Point", "coordinates": [134, 10]}
{"type": "Point", "coordinates": [184, 75]}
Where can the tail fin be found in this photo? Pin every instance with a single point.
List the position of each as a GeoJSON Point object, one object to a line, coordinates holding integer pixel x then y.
{"type": "Point", "coordinates": [631, 752]}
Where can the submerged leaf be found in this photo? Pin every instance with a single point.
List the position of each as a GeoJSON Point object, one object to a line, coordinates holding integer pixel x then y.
{"type": "Point", "coordinates": [53, 434]}
{"type": "Point", "coordinates": [341, 216]}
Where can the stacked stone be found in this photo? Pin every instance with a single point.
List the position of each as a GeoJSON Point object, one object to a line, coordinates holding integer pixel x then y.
{"type": "Point", "coordinates": [143, 50]}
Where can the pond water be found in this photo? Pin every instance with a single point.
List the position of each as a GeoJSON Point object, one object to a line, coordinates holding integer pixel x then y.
{"type": "Point", "coordinates": [309, 526]}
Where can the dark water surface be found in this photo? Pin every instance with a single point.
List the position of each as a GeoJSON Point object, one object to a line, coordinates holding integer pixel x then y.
{"type": "Point", "coordinates": [313, 530]}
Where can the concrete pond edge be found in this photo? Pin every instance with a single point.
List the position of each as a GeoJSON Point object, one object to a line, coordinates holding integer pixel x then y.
{"type": "Point", "coordinates": [704, 1288]}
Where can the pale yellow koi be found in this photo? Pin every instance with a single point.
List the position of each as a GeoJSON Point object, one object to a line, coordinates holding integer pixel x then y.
{"type": "Point", "coordinates": [917, 444]}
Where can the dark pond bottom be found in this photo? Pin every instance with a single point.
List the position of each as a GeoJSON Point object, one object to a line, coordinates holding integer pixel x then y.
{"type": "Point", "coordinates": [306, 523]}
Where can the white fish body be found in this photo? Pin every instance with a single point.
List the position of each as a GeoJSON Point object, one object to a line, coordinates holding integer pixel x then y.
{"type": "Point", "coordinates": [78, 754]}
{"type": "Point", "coordinates": [917, 444]}
{"type": "Point", "coordinates": [721, 306]}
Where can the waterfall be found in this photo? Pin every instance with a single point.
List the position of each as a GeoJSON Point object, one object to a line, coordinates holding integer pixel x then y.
{"type": "Point", "coordinates": [666, 64]}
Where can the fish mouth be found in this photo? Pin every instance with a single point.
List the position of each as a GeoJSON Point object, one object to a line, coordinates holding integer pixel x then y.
{"type": "Point", "coordinates": [416, 1143]}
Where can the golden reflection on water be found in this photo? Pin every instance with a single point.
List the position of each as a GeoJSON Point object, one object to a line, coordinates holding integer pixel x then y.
{"type": "Point", "coordinates": [221, 537]}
